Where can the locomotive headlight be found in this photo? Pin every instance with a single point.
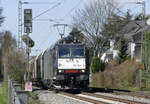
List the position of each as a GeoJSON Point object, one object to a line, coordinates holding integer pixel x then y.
{"type": "Point", "coordinates": [82, 71]}
{"type": "Point", "coordinates": [59, 71]}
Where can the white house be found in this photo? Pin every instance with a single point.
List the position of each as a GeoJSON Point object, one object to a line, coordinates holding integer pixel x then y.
{"type": "Point", "coordinates": [111, 53]}
{"type": "Point", "coordinates": [133, 32]}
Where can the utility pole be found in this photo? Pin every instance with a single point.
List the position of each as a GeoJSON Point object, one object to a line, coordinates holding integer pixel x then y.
{"type": "Point", "coordinates": [19, 23]}
{"type": "Point", "coordinates": [146, 73]}
{"type": "Point", "coordinates": [143, 46]}
{"type": "Point", "coordinates": [142, 35]}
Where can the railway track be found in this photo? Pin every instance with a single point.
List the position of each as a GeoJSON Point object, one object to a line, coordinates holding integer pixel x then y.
{"type": "Point", "coordinates": [123, 92]}
{"type": "Point", "coordinates": [134, 96]}
{"type": "Point", "coordinates": [137, 94]}
{"type": "Point", "coordinates": [99, 99]}
{"type": "Point", "coordinates": [88, 100]}
{"type": "Point", "coordinates": [122, 101]}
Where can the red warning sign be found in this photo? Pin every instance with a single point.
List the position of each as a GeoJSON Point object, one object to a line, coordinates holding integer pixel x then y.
{"type": "Point", "coordinates": [28, 86]}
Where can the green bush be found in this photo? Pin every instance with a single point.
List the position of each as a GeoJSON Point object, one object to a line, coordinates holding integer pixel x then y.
{"type": "Point", "coordinates": [123, 47]}
{"type": "Point", "coordinates": [97, 65]}
{"type": "Point", "coordinates": [16, 66]}
{"type": "Point", "coordinates": [118, 76]}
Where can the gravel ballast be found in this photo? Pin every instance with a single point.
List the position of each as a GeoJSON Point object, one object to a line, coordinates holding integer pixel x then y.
{"type": "Point", "coordinates": [49, 97]}
{"type": "Point", "coordinates": [126, 97]}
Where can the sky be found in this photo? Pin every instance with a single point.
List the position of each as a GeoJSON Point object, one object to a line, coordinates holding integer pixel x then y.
{"type": "Point", "coordinates": [44, 33]}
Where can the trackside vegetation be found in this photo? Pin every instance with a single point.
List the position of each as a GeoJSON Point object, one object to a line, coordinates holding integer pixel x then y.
{"type": "Point", "coordinates": [12, 63]}
{"type": "Point", "coordinates": [3, 93]}
{"type": "Point", "coordinates": [97, 65]}
{"type": "Point", "coordinates": [33, 98]}
{"type": "Point", "coordinates": [118, 76]}
{"type": "Point", "coordinates": [146, 72]}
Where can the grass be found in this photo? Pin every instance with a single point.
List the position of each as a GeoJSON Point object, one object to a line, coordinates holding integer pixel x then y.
{"type": "Point", "coordinates": [33, 98]}
{"type": "Point", "coordinates": [3, 93]}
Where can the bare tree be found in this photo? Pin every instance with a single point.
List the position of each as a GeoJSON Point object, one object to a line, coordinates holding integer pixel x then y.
{"type": "Point", "coordinates": [7, 45]}
{"type": "Point", "coordinates": [12, 61]}
{"type": "Point", "coordinates": [1, 17]}
{"type": "Point", "coordinates": [91, 20]}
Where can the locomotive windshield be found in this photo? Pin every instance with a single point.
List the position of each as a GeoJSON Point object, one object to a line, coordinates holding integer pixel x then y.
{"type": "Point", "coordinates": [64, 52]}
{"type": "Point", "coordinates": [71, 51]}
{"type": "Point", "coordinates": [77, 52]}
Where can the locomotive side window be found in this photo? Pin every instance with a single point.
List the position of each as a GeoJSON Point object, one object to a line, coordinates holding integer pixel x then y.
{"type": "Point", "coordinates": [77, 52]}
{"type": "Point", "coordinates": [64, 52]}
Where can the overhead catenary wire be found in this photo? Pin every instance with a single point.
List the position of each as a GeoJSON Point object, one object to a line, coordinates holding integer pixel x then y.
{"type": "Point", "coordinates": [44, 41]}
{"type": "Point", "coordinates": [59, 19]}
{"type": "Point", "coordinates": [59, 3]}
{"type": "Point", "coordinates": [39, 3]}
{"type": "Point", "coordinates": [138, 2]}
{"type": "Point", "coordinates": [72, 10]}
{"type": "Point", "coordinates": [51, 20]}
{"type": "Point", "coordinates": [46, 11]}
{"type": "Point", "coordinates": [63, 18]}
{"type": "Point", "coordinates": [135, 7]}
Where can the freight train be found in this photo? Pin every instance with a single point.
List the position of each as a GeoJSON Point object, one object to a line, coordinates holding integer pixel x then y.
{"type": "Point", "coordinates": [63, 65]}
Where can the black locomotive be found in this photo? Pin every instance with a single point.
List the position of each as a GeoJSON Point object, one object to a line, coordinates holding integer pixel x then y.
{"type": "Point", "coordinates": [64, 65]}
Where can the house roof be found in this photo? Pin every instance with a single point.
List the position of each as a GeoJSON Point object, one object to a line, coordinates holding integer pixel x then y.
{"type": "Point", "coordinates": [134, 29]}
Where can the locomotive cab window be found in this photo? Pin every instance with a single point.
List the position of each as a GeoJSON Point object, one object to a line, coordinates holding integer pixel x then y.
{"type": "Point", "coordinates": [64, 52]}
{"type": "Point", "coordinates": [77, 52]}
